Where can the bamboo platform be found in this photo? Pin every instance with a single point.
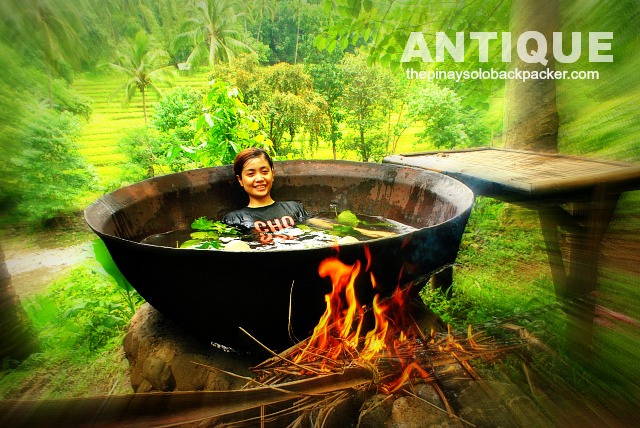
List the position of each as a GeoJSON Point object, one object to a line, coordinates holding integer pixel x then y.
{"type": "Point", "coordinates": [576, 194]}
{"type": "Point", "coordinates": [519, 175]}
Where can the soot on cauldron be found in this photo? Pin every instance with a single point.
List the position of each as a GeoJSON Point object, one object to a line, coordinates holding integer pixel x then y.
{"type": "Point", "coordinates": [276, 294]}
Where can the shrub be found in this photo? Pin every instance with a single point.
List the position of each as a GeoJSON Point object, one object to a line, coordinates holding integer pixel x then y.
{"type": "Point", "coordinates": [48, 174]}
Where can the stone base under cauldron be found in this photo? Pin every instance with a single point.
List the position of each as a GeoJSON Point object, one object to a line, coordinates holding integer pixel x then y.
{"type": "Point", "coordinates": [164, 357]}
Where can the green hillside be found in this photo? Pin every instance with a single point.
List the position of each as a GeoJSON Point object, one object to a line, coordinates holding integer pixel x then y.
{"type": "Point", "coordinates": [110, 121]}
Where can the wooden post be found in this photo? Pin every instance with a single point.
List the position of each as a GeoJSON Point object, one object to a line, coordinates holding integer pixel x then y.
{"type": "Point", "coordinates": [443, 280]}
{"type": "Point", "coordinates": [575, 280]}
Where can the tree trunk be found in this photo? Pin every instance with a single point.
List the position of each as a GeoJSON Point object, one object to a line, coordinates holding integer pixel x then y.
{"type": "Point", "coordinates": [295, 57]}
{"type": "Point", "coordinates": [144, 106]}
{"type": "Point", "coordinates": [530, 113]}
{"type": "Point", "coordinates": [17, 340]}
{"type": "Point", "coordinates": [212, 52]}
{"type": "Point", "coordinates": [333, 137]}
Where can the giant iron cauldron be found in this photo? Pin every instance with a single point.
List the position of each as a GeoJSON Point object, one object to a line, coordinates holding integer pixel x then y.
{"type": "Point", "coordinates": [213, 292]}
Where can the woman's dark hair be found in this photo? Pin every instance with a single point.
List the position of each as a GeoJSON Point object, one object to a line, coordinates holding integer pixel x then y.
{"type": "Point", "coordinates": [246, 155]}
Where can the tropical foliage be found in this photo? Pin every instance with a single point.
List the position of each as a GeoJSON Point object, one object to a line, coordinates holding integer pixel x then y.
{"type": "Point", "coordinates": [144, 66]}
{"type": "Point", "coordinates": [48, 170]}
{"type": "Point", "coordinates": [212, 32]}
{"type": "Point", "coordinates": [446, 124]}
{"type": "Point", "coordinates": [225, 128]}
{"type": "Point", "coordinates": [367, 101]}
{"type": "Point", "coordinates": [50, 29]}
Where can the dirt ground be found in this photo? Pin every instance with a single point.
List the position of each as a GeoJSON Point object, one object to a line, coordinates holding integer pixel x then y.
{"type": "Point", "coordinates": [32, 269]}
{"type": "Point", "coordinates": [35, 258]}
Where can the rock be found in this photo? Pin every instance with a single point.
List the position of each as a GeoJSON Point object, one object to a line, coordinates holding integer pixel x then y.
{"type": "Point", "coordinates": [428, 393]}
{"type": "Point", "coordinates": [163, 357]}
{"type": "Point", "coordinates": [188, 375]}
{"type": "Point", "coordinates": [498, 404]}
{"type": "Point", "coordinates": [144, 386]}
{"type": "Point", "coordinates": [405, 411]}
{"type": "Point", "coordinates": [411, 412]}
{"type": "Point", "coordinates": [376, 411]}
{"type": "Point", "coordinates": [158, 373]}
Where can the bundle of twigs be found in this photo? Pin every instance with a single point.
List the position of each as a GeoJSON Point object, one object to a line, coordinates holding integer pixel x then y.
{"type": "Point", "coordinates": [430, 358]}
{"type": "Point", "coordinates": [287, 389]}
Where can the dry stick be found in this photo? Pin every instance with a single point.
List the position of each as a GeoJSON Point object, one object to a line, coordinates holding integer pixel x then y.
{"type": "Point", "coordinates": [325, 411]}
{"type": "Point", "coordinates": [155, 409]}
{"type": "Point", "coordinates": [268, 417]}
{"type": "Point", "coordinates": [265, 385]}
{"type": "Point", "coordinates": [464, 367]}
{"type": "Point", "coordinates": [289, 327]}
{"type": "Point", "coordinates": [436, 407]}
{"type": "Point", "coordinates": [281, 355]}
{"type": "Point", "coordinates": [422, 335]}
{"type": "Point", "coordinates": [278, 355]}
{"type": "Point", "coordinates": [443, 398]}
{"type": "Point", "coordinates": [526, 374]}
{"type": "Point", "coordinates": [299, 406]}
{"type": "Point", "coordinates": [247, 378]}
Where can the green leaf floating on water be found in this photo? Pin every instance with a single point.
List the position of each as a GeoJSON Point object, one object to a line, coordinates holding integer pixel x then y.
{"type": "Point", "coordinates": [202, 224]}
{"type": "Point", "coordinates": [200, 244]}
{"type": "Point", "coordinates": [347, 218]}
{"type": "Point", "coordinates": [205, 235]}
{"type": "Point", "coordinates": [342, 230]}
{"type": "Point", "coordinates": [219, 227]}
{"type": "Point", "coordinates": [208, 233]}
{"type": "Point", "coordinates": [190, 243]}
{"type": "Point", "coordinates": [206, 245]}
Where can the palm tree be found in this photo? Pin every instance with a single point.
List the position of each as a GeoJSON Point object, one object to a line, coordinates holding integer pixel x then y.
{"type": "Point", "coordinates": [261, 9]}
{"type": "Point", "coordinates": [297, 5]}
{"type": "Point", "coordinates": [51, 26]}
{"type": "Point", "coordinates": [141, 63]}
{"type": "Point", "coordinates": [211, 31]}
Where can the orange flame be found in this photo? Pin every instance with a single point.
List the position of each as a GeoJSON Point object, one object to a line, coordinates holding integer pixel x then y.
{"type": "Point", "coordinates": [340, 329]}
{"type": "Point", "coordinates": [406, 375]}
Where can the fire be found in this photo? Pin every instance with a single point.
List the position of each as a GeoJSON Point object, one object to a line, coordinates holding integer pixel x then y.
{"type": "Point", "coordinates": [341, 330]}
{"type": "Point", "coordinates": [406, 375]}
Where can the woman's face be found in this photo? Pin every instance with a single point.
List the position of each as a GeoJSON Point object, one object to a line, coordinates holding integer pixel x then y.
{"type": "Point", "coordinates": [257, 179]}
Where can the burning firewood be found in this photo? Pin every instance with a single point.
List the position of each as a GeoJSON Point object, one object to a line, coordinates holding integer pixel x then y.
{"type": "Point", "coordinates": [395, 350]}
{"type": "Point", "coordinates": [356, 350]}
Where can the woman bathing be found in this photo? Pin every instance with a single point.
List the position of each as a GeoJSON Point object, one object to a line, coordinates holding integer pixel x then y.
{"type": "Point", "coordinates": [254, 171]}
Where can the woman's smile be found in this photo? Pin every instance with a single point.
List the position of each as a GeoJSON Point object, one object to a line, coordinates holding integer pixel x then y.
{"type": "Point", "coordinates": [257, 179]}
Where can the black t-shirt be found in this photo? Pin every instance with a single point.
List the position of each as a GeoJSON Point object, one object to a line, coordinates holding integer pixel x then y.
{"type": "Point", "coordinates": [269, 219]}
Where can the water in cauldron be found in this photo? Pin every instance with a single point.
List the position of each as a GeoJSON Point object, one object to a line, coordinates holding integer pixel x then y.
{"type": "Point", "coordinates": [306, 235]}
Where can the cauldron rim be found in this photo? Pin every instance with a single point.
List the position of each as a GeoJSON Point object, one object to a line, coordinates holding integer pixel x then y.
{"type": "Point", "coordinates": [93, 205]}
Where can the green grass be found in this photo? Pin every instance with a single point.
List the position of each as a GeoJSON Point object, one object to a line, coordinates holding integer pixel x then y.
{"type": "Point", "coordinates": [501, 270]}
{"type": "Point", "coordinates": [502, 276]}
{"type": "Point", "coordinates": [79, 322]}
